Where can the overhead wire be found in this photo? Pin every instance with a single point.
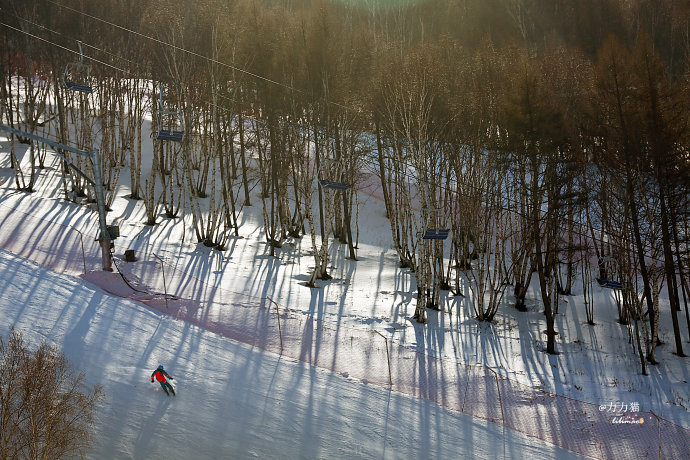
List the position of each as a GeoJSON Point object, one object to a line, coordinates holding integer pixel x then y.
{"type": "Point", "coordinates": [90, 58]}
{"type": "Point", "coordinates": [61, 34]}
{"type": "Point", "coordinates": [58, 45]}
{"type": "Point", "coordinates": [191, 53]}
{"type": "Point", "coordinates": [67, 141]}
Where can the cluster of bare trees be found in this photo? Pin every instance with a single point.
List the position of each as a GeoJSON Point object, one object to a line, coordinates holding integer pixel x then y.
{"type": "Point", "coordinates": [549, 137]}
{"type": "Point", "coordinates": [44, 410]}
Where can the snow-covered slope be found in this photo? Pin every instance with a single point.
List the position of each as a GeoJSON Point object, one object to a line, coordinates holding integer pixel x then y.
{"type": "Point", "coordinates": [596, 364]}
{"type": "Point", "coordinates": [233, 401]}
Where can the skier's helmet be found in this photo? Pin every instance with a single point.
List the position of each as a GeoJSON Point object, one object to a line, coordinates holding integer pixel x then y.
{"type": "Point", "coordinates": [160, 367]}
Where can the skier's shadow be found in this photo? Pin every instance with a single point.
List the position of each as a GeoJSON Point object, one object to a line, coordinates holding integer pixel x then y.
{"type": "Point", "coordinates": [148, 429]}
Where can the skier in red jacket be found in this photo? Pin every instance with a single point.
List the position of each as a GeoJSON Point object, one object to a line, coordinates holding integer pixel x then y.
{"type": "Point", "coordinates": [160, 375]}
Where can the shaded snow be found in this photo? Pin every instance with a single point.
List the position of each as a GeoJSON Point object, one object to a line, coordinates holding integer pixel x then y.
{"type": "Point", "coordinates": [233, 401]}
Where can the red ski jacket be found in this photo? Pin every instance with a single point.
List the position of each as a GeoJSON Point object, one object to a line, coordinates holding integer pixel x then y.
{"type": "Point", "coordinates": [160, 375]}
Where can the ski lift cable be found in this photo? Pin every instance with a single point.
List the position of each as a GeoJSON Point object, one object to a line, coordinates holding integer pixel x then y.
{"type": "Point", "coordinates": [192, 53]}
{"type": "Point", "coordinates": [41, 26]}
{"type": "Point", "coordinates": [59, 46]}
{"type": "Point", "coordinates": [138, 64]}
{"type": "Point", "coordinates": [208, 104]}
{"type": "Point", "coordinates": [68, 143]}
{"type": "Point", "coordinates": [129, 61]}
{"type": "Point", "coordinates": [166, 135]}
